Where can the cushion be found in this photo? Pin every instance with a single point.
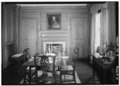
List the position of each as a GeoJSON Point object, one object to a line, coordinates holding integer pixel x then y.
{"type": "Point", "coordinates": [17, 55]}
{"type": "Point", "coordinates": [67, 67]}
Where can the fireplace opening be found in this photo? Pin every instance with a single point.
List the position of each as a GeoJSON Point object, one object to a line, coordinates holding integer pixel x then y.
{"type": "Point", "coordinates": [54, 47]}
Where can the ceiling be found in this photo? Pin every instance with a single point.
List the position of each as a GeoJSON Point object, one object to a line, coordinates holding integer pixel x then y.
{"type": "Point", "coordinates": [51, 5]}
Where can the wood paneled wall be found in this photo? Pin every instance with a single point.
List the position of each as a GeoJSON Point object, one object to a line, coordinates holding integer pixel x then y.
{"type": "Point", "coordinates": [112, 22]}
{"type": "Point", "coordinates": [9, 30]}
{"type": "Point", "coordinates": [69, 17]}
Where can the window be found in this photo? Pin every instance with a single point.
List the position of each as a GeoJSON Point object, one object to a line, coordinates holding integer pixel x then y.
{"type": "Point", "coordinates": [97, 30]}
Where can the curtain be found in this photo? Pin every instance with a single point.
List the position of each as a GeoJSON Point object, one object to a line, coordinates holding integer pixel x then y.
{"type": "Point", "coordinates": [104, 26]}
{"type": "Point", "coordinates": [92, 34]}
{"type": "Point", "coordinates": [103, 29]}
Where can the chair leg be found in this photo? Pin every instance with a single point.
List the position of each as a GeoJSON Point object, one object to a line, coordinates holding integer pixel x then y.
{"type": "Point", "coordinates": [29, 75]}
{"type": "Point", "coordinates": [74, 78]}
{"type": "Point", "coordinates": [24, 80]}
{"type": "Point", "coordinates": [54, 76]}
{"type": "Point", "coordinates": [25, 77]}
{"type": "Point", "coordinates": [60, 78]}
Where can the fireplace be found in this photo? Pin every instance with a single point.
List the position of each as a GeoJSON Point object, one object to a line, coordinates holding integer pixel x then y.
{"type": "Point", "coordinates": [54, 47]}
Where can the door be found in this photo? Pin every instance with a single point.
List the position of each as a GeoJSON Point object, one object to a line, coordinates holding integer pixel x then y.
{"type": "Point", "coordinates": [78, 33]}
{"type": "Point", "coordinates": [28, 35]}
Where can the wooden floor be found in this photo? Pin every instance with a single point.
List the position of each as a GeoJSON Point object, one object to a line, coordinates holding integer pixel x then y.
{"type": "Point", "coordinates": [14, 74]}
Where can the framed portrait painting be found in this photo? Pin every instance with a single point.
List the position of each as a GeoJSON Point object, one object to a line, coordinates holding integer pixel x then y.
{"type": "Point", "coordinates": [54, 21]}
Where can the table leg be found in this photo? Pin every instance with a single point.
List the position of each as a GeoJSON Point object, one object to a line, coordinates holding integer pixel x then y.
{"type": "Point", "coordinates": [25, 76]}
{"type": "Point", "coordinates": [30, 75]}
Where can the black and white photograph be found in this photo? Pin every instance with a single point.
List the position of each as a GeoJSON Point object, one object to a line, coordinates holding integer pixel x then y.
{"type": "Point", "coordinates": [60, 43]}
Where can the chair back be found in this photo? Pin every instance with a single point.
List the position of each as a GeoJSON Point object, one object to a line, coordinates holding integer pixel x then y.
{"type": "Point", "coordinates": [36, 67]}
{"type": "Point", "coordinates": [41, 62]}
{"type": "Point", "coordinates": [51, 58]}
{"type": "Point", "coordinates": [26, 52]}
{"type": "Point", "coordinates": [51, 65]}
{"type": "Point", "coordinates": [44, 60]}
{"type": "Point", "coordinates": [26, 55]}
{"type": "Point", "coordinates": [12, 49]}
{"type": "Point", "coordinates": [51, 61]}
{"type": "Point", "coordinates": [75, 57]}
{"type": "Point", "coordinates": [35, 60]}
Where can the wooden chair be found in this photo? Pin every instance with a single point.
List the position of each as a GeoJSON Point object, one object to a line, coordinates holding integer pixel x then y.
{"type": "Point", "coordinates": [14, 56]}
{"type": "Point", "coordinates": [41, 72]}
{"type": "Point", "coordinates": [67, 73]}
{"type": "Point", "coordinates": [29, 71]}
{"type": "Point", "coordinates": [51, 67]}
{"type": "Point", "coordinates": [47, 67]}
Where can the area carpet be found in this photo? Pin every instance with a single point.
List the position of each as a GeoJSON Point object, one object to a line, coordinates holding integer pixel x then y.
{"type": "Point", "coordinates": [50, 80]}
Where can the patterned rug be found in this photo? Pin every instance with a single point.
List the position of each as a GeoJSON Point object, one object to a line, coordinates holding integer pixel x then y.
{"type": "Point", "coordinates": [49, 79]}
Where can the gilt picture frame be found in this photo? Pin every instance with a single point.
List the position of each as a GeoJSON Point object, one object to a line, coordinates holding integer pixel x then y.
{"type": "Point", "coordinates": [54, 21]}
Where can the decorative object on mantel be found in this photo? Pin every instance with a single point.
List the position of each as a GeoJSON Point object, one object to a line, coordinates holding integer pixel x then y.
{"type": "Point", "coordinates": [54, 21]}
